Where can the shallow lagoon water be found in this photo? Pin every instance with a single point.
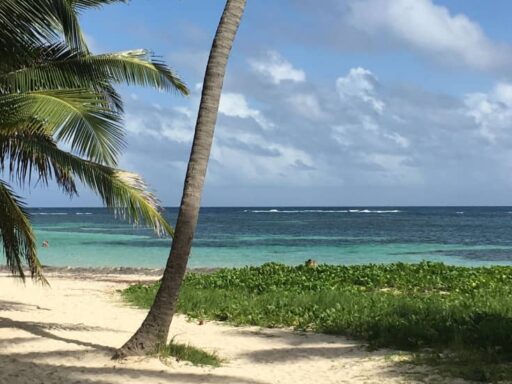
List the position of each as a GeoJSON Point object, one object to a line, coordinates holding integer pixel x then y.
{"type": "Point", "coordinates": [92, 237]}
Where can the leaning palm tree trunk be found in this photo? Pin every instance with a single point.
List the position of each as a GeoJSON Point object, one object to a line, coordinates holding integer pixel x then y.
{"type": "Point", "coordinates": [155, 328]}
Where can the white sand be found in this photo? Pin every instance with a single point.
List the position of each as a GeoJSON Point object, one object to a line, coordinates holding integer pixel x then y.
{"type": "Point", "coordinates": [66, 334]}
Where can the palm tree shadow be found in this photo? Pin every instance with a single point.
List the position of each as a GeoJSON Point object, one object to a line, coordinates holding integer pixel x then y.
{"type": "Point", "coordinates": [279, 355]}
{"type": "Point", "coordinates": [293, 337]}
{"type": "Point", "coordinates": [24, 367]}
{"type": "Point", "coordinates": [42, 330]}
{"type": "Point", "coordinates": [11, 306]}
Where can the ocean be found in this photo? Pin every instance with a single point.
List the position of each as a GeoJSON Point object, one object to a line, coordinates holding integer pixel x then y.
{"type": "Point", "coordinates": [229, 237]}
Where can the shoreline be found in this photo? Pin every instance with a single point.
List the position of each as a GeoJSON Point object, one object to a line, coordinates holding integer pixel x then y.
{"type": "Point", "coordinates": [117, 275]}
{"type": "Point", "coordinates": [142, 274]}
{"type": "Point", "coordinates": [121, 270]}
{"type": "Point", "coordinates": [69, 332]}
{"type": "Point", "coordinates": [112, 270]}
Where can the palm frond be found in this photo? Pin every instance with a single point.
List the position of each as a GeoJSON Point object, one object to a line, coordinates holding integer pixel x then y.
{"type": "Point", "coordinates": [28, 21]}
{"type": "Point", "coordinates": [125, 192]}
{"type": "Point", "coordinates": [60, 67]}
{"type": "Point", "coordinates": [139, 67]}
{"type": "Point", "coordinates": [22, 159]}
{"type": "Point", "coordinates": [53, 90]}
{"type": "Point", "coordinates": [81, 118]}
{"type": "Point", "coordinates": [84, 4]}
{"type": "Point", "coordinates": [68, 21]}
{"type": "Point", "coordinates": [18, 240]}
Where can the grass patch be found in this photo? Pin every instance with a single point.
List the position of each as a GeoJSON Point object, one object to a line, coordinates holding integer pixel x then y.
{"type": "Point", "coordinates": [189, 353]}
{"type": "Point", "coordinates": [469, 365]}
{"type": "Point", "coordinates": [463, 315]}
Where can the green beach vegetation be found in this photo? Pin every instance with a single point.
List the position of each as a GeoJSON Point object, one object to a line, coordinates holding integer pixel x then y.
{"type": "Point", "coordinates": [187, 352]}
{"type": "Point", "coordinates": [456, 318]}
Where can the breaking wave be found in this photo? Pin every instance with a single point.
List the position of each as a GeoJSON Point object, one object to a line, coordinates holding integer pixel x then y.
{"type": "Point", "coordinates": [320, 211]}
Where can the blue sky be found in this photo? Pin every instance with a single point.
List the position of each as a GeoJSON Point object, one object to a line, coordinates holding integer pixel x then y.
{"type": "Point", "coordinates": [338, 102]}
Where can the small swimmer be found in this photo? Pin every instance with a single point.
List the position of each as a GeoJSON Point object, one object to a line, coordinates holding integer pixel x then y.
{"type": "Point", "coordinates": [310, 263]}
{"type": "Point", "coordinates": [45, 244]}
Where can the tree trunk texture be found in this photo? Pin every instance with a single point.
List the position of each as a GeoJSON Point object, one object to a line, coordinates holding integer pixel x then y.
{"type": "Point", "coordinates": [155, 328]}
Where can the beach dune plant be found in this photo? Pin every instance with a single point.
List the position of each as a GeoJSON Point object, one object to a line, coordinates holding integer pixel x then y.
{"type": "Point", "coordinates": [457, 318]}
{"type": "Point", "coordinates": [155, 328]}
{"type": "Point", "coordinates": [61, 118]}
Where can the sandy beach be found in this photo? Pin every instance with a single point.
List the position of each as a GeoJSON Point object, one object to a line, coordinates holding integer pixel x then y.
{"type": "Point", "coordinates": [66, 333]}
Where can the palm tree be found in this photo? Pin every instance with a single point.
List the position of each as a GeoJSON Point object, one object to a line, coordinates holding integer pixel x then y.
{"type": "Point", "coordinates": [155, 328]}
{"type": "Point", "coordinates": [53, 90]}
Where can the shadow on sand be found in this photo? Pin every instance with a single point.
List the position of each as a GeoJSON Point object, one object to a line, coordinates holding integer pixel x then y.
{"type": "Point", "coordinates": [37, 366]}
{"type": "Point", "coordinates": [9, 306]}
{"type": "Point", "coordinates": [26, 371]}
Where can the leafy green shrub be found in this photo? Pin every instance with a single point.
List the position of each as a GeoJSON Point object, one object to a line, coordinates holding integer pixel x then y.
{"type": "Point", "coordinates": [187, 352]}
{"type": "Point", "coordinates": [407, 306]}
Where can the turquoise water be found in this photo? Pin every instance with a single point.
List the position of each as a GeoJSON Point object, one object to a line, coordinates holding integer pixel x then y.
{"type": "Point", "coordinates": [92, 237]}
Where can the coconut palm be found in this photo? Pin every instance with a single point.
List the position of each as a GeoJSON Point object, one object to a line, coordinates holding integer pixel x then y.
{"type": "Point", "coordinates": [53, 90]}
{"type": "Point", "coordinates": [155, 328]}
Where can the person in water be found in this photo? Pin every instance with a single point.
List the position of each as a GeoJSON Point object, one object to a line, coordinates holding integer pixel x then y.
{"type": "Point", "coordinates": [45, 244]}
{"type": "Point", "coordinates": [310, 263]}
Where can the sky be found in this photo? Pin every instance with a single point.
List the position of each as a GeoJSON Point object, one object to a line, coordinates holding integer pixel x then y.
{"type": "Point", "coordinates": [325, 103]}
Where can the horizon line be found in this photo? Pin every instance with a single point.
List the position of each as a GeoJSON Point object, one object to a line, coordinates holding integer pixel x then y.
{"type": "Point", "coordinates": [295, 206]}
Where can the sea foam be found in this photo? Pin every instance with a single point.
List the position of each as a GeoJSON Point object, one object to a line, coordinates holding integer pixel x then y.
{"type": "Point", "coordinates": [321, 211]}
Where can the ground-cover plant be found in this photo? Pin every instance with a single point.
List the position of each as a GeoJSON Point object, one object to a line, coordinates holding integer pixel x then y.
{"type": "Point", "coordinates": [187, 352]}
{"type": "Point", "coordinates": [465, 312]}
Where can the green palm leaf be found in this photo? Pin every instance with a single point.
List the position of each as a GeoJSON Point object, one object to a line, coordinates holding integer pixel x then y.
{"type": "Point", "coordinates": [61, 67]}
{"type": "Point", "coordinates": [53, 90]}
{"type": "Point", "coordinates": [28, 21]}
{"type": "Point", "coordinates": [18, 240]}
{"type": "Point", "coordinates": [81, 118]}
{"type": "Point", "coordinates": [21, 159]}
{"type": "Point", "coordinates": [125, 192]}
{"type": "Point", "coordinates": [82, 4]}
{"type": "Point", "coordinates": [138, 67]}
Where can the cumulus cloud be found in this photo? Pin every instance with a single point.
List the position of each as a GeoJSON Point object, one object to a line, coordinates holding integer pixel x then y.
{"type": "Point", "coordinates": [235, 105]}
{"type": "Point", "coordinates": [176, 124]}
{"type": "Point", "coordinates": [277, 69]}
{"type": "Point", "coordinates": [430, 29]}
{"type": "Point", "coordinates": [306, 104]}
{"type": "Point", "coordinates": [492, 111]}
{"type": "Point", "coordinates": [359, 85]}
{"type": "Point", "coordinates": [236, 155]}
{"type": "Point", "coordinates": [396, 169]}
{"type": "Point", "coordinates": [339, 136]}
{"type": "Point", "coordinates": [343, 141]}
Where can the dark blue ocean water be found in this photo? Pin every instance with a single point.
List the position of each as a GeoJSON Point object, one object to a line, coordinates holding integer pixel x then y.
{"type": "Point", "coordinates": [242, 236]}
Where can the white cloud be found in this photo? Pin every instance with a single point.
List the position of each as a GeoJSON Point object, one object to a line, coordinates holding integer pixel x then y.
{"type": "Point", "coordinates": [396, 169]}
{"type": "Point", "coordinates": [398, 139]}
{"type": "Point", "coordinates": [259, 168]}
{"type": "Point", "coordinates": [176, 124]}
{"type": "Point", "coordinates": [235, 105]}
{"type": "Point", "coordinates": [431, 29]}
{"type": "Point", "coordinates": [360, 134]}
{"type": "Point", "coordinates": [492, 112]}
{"type": "Point", "coordinates": [135, 124]}
{"type": "Point", "coordinates": [277, 69]}
{"type": "Point", "coordinates": [341, 135]}
{"type": "Point", "coordinates": [306, 105]}
{"type": "Point", "coordinates": [180, 127]}
{"type": "Point", "coordinates": [359, 85]}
